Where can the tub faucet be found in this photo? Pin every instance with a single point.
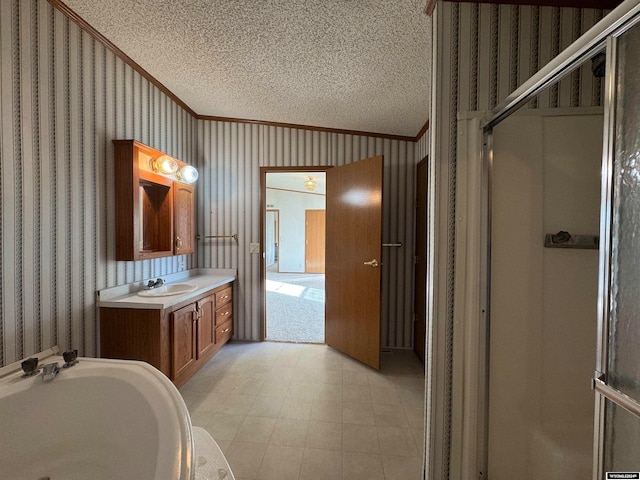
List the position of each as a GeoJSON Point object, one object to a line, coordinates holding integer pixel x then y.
{"type": "Point", "coordinates": [49, 371]}
{"type": "Point", "coordinates": [158, 283]}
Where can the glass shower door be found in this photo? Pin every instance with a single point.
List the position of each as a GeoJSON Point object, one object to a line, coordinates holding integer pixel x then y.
{"type": "Point", "coordinates": [617, 383]}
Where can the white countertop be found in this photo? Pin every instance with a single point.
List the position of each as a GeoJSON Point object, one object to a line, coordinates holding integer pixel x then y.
{"type": "Point", "coordinates": [125, 296]}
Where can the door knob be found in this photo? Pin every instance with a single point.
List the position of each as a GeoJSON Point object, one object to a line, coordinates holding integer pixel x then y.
{"type": "Point", "coordinates": [372, 263]}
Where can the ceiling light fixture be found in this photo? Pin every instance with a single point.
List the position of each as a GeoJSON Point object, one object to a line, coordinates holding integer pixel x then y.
{"type": "Point", "coordinates": [164, 164]}
{"type": "Point", "coordinates": [310, 184]}
{"type": "Point", "coordinates": [187, 174]}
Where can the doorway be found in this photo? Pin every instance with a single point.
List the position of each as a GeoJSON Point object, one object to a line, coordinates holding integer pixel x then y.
{"type": "Point", "coordinates": [294, 232]}
{"type": "Point", "coordinates": [353, 314]}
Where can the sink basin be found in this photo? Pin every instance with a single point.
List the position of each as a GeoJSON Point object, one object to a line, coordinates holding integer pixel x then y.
{"type": "Point", "coordinates": [167, 290]}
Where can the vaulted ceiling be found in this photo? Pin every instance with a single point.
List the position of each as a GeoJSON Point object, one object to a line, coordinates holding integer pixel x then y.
{"type": "Point", "coordinates": [344, 64]}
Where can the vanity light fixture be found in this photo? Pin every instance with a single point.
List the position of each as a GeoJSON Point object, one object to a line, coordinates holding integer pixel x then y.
{"type": "Point", "coordinates": [310, 184]}
{"type": "Point", "coordinates": [187, 174]}
{"type": "Point", "coordinates": [164, 164]}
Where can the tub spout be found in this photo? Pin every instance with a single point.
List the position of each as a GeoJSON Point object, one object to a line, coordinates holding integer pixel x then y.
{"type": "Point", "coordinates": [50, 371]}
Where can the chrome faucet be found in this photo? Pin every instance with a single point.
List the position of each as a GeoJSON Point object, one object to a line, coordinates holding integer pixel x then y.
{"type": "Point", "coordinates": [158, 283]}
{"type": "Point", "coordinates": [49, 371]}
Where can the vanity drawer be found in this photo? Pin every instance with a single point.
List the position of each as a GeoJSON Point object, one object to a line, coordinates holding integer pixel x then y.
{"type": "Point", "coordinates": [223, 314]}
{"type": "Point", "coordinates": [223, 297]}
{"type": "Point", "coordinates": [224, 331]}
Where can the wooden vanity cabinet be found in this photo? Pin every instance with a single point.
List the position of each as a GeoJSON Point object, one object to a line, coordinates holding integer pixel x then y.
{"type": "Point", "coordinates": [177, 341]}
{"type": "Point", "coordinates": [206, 339]}
{"type": "Point", "coordinates": [183, 351]}
{"type": "Point", "coordinates": [184, 221]}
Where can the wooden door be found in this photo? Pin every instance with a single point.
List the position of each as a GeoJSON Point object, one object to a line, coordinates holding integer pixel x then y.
{"type": "Point", "coordinates": [353, 255]}
{"type": "Point", "coordinates": [206, 324]}
{"type": "Point", "coordinates": [420, 268]}
{"type": "Point", "coordinates": [184, 222]}
{"type": "Point", "coordinates": [314, 240]}
{"type": "Point", "coordinates": [184, 339]}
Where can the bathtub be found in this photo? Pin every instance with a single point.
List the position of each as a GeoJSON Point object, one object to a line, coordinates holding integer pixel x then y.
{"type": "Point", "coordinates": [100, 419]}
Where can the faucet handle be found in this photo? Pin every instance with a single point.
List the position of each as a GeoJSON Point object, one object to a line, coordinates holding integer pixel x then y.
{"type": "Point", "coordinates": [30, 366]}
{"type": "Point", "coordinates": [159, 282]}
{"type": "Point", "coordinates": [70, 358]}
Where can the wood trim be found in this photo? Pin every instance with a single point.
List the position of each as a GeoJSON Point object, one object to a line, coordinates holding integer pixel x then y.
{"type": "Point", "coordinates": [296, 191]}
{"type": "Point", "coordinates": [74, 17]}
{"type": "Point", "coordinates": [262, 282]}
{"type": "Point", "coordinates": [423, 130]}
{"type": "Point", "coordinates": [297, 126]}
{"type": "Point", "coordinates": [430, 7]}
{"type": "Point", "coordinates": [605, 4]}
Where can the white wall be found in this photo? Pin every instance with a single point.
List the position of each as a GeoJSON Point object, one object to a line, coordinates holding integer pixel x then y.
{"type": "Point", "coordinates": [546, 178]}
{"type": "Point", "coordinates": [292, 207]}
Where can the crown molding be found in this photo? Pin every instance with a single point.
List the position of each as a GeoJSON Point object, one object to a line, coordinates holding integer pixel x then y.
{"type": "Point", "coordinates": [604, 4]}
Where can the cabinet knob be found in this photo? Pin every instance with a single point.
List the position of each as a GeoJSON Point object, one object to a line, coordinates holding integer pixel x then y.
{"type": "Point", "coordinates": [178, 243]}
{"type": "Point", "coordinates": [225, 330]}
{"type": "Point", "coordinates": [224, 297]}
{"type": "Point", "coordinates": [200, 312]}
{"type": "Point", "coordinates": [224, 313]}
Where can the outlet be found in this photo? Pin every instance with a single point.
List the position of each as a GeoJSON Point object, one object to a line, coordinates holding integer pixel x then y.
{"type": "Point", "coordinates": [254, 248]}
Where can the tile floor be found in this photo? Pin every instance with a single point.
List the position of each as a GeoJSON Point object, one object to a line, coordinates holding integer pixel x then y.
{"type": "Point", "coordinates": [302, 412]}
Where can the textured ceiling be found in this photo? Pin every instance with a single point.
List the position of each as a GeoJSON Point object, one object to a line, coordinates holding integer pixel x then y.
{"type": "Point", "coordinates": [345, 64]}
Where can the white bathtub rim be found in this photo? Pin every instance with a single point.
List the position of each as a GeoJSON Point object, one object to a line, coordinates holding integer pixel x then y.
{"type": "Point", "coordinates": [17, 366]}
{"type": "Point", "coordinates": [138, 374]}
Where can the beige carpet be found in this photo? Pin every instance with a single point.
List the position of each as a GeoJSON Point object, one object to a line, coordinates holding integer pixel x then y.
{"type": "Point", "coordinates": [295, 307]}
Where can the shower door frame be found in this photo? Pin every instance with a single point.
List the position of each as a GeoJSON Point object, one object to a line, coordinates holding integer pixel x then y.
{"type": "Point", "coordinates": [602, 37]}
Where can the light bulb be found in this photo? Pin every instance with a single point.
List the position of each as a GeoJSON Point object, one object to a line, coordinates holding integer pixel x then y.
{"type": "Point", "coordinates": [187, 174]}
{"type": "Point", "coordinates": [164, 164]}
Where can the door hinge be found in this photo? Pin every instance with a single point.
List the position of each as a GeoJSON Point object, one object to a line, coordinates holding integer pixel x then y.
{"type": "Point", "coordinates": [416, 260]}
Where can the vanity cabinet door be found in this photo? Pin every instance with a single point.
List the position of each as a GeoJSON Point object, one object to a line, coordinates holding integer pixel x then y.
{"type": "Point", "coordinates": [184, 323]}
{"type": "Point", "coordinates": [184, 225]}
{"type": "Point", "coordinates": [206, 327]}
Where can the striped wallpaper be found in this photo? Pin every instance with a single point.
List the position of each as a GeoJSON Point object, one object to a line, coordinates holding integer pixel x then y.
{"type": "Point", "coordinates": [483, 52]}
{"type": "Point", "coordinates": [231, 155]}
{"type": "Point", "coordinates": [63, 98]}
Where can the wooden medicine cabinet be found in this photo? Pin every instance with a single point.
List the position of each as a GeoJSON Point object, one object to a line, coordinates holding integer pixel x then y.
{"type": "Point", "coordinates": [154, 211]}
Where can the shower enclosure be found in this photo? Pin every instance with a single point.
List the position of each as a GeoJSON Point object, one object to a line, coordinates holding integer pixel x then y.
{"type": "Point", "coordinates": [616, 380]}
